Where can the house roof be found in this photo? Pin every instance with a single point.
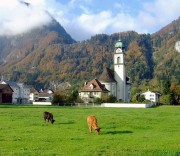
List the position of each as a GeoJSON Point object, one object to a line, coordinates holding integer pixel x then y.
{"type": "Point", "coordinates": [107, 76]}
{"type": "Point", "coordinates": [33, 90]}
{"type": "Point", "coordinates": [11, 83]}
{"type": "Point", "coordinates": [49, 91]}
{"type": "Point", "coordinates": [23, 85]}
{"type": "Point", "coordinates": [151, 92]}
{"type": "Point", "coordinates": [3, 86]}
{"type": "Point", "coordinates": [44, 95]}
{"type": "Point", "coordinates": [94, 85]}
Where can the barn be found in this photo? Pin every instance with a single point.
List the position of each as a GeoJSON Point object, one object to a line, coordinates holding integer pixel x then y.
{"type": "Point", "coordinates": [6, 93]}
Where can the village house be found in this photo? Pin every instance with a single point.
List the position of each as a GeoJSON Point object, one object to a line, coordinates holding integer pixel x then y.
{"type": "Point", "coordinates": [34, 95]}
{"type": "Point", "coordinates": [21, 92]}
{"type": "Point", "coordinates": [92, 90]}
{"type": "Point", "coordinates": [152, 96]}
{"type": "Point", "coordinates": [44, 97]}
{"type": "Point", "coordinates": [6, 93]}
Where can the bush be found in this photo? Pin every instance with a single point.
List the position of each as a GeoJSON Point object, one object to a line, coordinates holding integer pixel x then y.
{"type": "Point", "coordinates": [79, 100]}
{"type": "Point", "coordinates": [72, 97]}
{"type": "Point", "coordinates": [141, 98]}
{"type": "Point", "coordinates": [58, 99]}
{"type": "Point", "coordinates": [166, 99]}
{"type": "Point", "coordinates": [110, 99]}
{"type": "Point", "coordinates": [97, 101]}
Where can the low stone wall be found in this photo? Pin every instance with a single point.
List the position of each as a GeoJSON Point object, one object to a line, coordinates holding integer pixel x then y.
{"type": "Point", "coordinates": [127, 105]}
{"type": "Point", "coordinates": [42, 103]}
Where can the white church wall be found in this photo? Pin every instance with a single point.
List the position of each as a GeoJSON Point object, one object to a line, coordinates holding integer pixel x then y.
{"type": "Point", "coordinates": [111, 86]}
{"type": "Point", "coordinates": [125, 105]}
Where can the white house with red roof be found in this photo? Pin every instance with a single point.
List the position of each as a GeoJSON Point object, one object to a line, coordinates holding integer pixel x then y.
{"type": "Point", "coordinates": [93, 89]}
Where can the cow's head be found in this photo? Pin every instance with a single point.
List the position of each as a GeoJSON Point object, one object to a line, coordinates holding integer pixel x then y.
{"type": "Point", "coordinates": [97, 130]}
{"type": "Point", "coordinates": [52, 121]}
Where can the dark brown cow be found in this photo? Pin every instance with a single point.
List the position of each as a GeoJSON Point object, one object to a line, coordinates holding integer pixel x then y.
{"type": "Point", "coordinates": [92, 124]}
{"type": "Point", "coordinates": [49, 117]}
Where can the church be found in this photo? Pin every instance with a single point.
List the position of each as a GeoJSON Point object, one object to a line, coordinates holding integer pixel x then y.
{"type": "Point", "coordinates": [111, 82]}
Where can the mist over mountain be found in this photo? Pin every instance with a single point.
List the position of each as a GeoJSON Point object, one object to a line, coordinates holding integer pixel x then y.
{"type": "Point", "coordinates": [16, 47]}
{"type": "Point", "coordinates": [48, 53]}
{"type": "Point", "coordinates": [28, 28]}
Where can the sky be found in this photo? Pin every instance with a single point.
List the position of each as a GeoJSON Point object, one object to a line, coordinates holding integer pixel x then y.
{"type": "Point", "coordinates": [85, 18]}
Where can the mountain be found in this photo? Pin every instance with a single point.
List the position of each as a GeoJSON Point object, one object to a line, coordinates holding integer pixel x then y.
{"type": "Point", "coordinates": [166, 58]}
{"type": "Point", "coordinates": [49, 54]}
{"type": "Point", "coordinates": [15, 48]}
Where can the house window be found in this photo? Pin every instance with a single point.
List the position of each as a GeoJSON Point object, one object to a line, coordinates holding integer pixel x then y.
{"type": "Point", "coordinates": [91, 86]}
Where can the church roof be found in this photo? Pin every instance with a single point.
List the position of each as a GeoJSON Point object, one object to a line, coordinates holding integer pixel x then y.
{"type": "Point", "coordinates": [94, 85]}
{"type": "Point", "coordinates": [119, 44]}
{"type": "Point", "coordinates": [107, 76]}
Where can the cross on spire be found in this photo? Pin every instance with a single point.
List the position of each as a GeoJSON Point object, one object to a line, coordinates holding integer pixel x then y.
{"type": "Point", "coordinates": [119, 37]}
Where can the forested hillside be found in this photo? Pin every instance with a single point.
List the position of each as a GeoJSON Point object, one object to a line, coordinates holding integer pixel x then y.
{"type": "Point", "coordinates": [17, 47]}
{"type": "Point", "coordinates": [51, 55]}
{"type": "Point", "coordinates": [166, 58]}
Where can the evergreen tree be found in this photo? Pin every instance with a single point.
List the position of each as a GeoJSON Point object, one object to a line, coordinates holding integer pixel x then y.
{"type": "Point", "coordinates": [166, 87]}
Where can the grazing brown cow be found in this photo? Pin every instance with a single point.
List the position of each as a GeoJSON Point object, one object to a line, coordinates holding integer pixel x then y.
{"type": "Point", "coordinates": [49, 117]}
{"type": "Point", "coordinates": [92, 123]}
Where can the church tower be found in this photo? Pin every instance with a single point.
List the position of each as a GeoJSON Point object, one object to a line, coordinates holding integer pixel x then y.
{"type": "Point", "coordinates": [120, 72]}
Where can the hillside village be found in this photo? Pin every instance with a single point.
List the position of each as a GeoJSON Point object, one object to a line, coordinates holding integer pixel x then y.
{"type": "Point", "coordinates": [89, 78]}
{"type": "Point", "coordinates": [97, 70]}
{"type": "Point", "coordinates": [114, 84]}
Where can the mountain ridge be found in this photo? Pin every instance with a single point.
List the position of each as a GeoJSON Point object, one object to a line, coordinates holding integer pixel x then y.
{"type": "Point", "coordinates": [57, 57]}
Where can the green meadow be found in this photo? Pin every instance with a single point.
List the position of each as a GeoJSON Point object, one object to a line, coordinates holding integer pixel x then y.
{"type": "Point", "coordinates": [124, 131]}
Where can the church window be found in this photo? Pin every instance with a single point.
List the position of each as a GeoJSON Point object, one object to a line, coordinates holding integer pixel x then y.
{"type": "Point", "coordinates": [118, 60]}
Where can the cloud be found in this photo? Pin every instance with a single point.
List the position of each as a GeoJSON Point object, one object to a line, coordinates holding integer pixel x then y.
{"type": "Point", "coordinates": [150, 18]}
{"type": "Point", "coordinates": [16, 17]}
{"type": "Point", "coordinates": [154, 16]}
{"type": "Point", "coordinates": [81, 20]}
{"type": "Point", "coordinates": [85, 18]}
{"type": "Point", "coordinates": [87, 25]}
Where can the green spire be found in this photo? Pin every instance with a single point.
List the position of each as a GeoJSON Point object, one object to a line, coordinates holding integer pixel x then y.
{"type": "Point", "coordinates": [119, 44]}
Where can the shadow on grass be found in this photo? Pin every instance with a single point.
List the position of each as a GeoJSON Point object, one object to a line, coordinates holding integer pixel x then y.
{"type": "Point", "coordinates": [64, 123]}
{"type": "Point", "coordinates": [118, 132]}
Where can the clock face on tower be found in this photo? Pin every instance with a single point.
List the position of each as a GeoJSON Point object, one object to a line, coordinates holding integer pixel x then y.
{"type": "Point", "coordinates": [118, 50]}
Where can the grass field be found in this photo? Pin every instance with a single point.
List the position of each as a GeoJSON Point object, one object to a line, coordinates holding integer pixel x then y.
{"type": "Point", "coordinates": [125, 131]}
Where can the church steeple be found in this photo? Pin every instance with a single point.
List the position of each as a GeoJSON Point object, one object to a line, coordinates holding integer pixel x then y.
{"type": "Point", "coordinates": [119, 70]}
{"type": "Point", "coordinates": [119, 47]}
